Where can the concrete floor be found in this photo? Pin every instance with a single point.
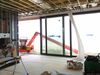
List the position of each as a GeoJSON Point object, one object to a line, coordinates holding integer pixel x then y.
{"type": "Point", "coordinates": [36, 64]}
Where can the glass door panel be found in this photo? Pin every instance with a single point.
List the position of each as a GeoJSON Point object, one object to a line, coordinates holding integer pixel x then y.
{"type": "Point", "coordinates": [74, 41]}
{"type": "Point", "coordinates": [54, 36]}
{"type": "Point", "coordinates": [43, 38]}
{"type": "Point", "coordinates": [67, 38]}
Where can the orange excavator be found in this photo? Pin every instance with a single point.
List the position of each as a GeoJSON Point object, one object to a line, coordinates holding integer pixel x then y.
{"type": "Point", "coordinates": [29, 46]}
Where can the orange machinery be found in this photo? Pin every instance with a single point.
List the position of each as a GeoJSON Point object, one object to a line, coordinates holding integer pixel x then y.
{"type": "Point", "coordinates": [29, 45]}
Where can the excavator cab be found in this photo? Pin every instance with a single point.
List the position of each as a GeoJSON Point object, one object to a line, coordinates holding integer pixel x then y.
{"type": "Point", "coordinates": [23, 46]}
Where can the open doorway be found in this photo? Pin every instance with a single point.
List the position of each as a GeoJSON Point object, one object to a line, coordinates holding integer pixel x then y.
{"type": "Point", "coordinates": [28, 35]}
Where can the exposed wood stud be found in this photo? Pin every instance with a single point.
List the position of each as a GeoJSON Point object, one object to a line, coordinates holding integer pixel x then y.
{"type": "Point", "coordinates": [53, 6]}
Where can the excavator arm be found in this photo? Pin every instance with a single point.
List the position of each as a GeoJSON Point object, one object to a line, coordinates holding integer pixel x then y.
{"type": "Point", "coordinates": [50, 39]}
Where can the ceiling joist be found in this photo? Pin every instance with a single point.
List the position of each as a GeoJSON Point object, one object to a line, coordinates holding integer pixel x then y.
{"type": "Point", "coordinates": [33, 7]}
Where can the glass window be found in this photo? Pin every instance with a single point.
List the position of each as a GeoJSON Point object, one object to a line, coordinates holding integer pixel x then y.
{"type": "Point", "coordinates": [88, 27]}
{"type": "Point", "coordinates": [30, 29]}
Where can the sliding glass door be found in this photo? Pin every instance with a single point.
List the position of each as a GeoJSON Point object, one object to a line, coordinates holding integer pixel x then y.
{"type": "Point", "coordinates": [55, 36]}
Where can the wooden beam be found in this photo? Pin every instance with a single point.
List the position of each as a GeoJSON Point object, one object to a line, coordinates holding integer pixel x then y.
{"type": "Point", "coordinates": [61, 1]}
{"type": "Point", "coordinates": [48, 2]}
{"type": "Point", "coordinates": [53, 3]}
{"type": "Point", "coordinates": [21, 5]}
{"type": "Point", "coordinates": [13, 5]}
{"type": "Point", "coordinates": [10, 8]}
{"type": "Point", "coordinates": [31, 5]}
{"type": "Point", "coordinates": [78, 2]}
{"type": "Point", "coordinates": [22, 18]}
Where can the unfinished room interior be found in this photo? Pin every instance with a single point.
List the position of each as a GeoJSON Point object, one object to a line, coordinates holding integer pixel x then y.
{"type": "Point", "coordinates": [31, 45]}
